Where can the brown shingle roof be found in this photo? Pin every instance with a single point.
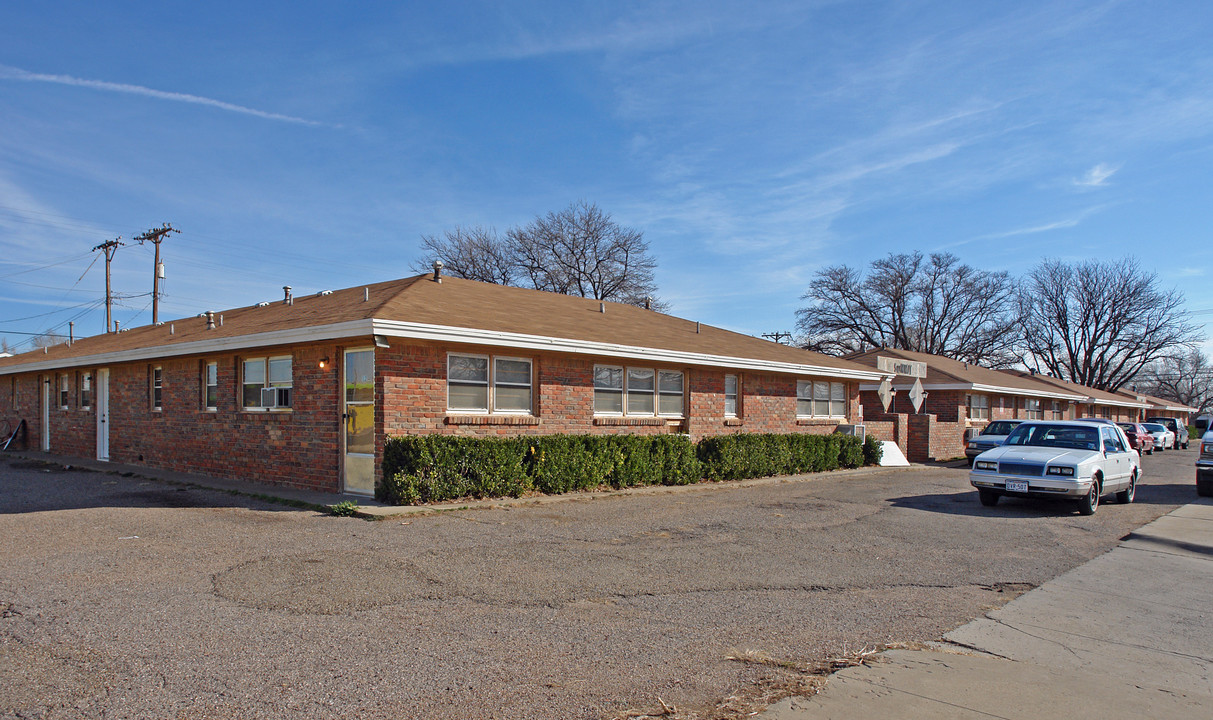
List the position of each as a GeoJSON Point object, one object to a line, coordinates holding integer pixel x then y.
{"type": "Point", "coordinates": [454, 303]}
{"type": "Point", "coordinates": [946, 371]}
{"type": "Point", "coordinates": [1099, 397]}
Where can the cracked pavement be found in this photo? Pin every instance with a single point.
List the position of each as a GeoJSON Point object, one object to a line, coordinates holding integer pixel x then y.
{"type": "Point", "coordinates": [130, 597]}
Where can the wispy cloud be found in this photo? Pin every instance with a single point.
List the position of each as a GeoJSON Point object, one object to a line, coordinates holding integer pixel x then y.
{"type": "Point", "coordinates": [11, 73]}
{"type": "Point", "coordinates": [1191, 272]}
{"type": "Point", "coordinates": [1097, 176]}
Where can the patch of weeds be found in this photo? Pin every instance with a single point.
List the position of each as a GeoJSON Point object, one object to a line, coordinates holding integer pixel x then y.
{"type": "Point", "coordinates": [345, 508]}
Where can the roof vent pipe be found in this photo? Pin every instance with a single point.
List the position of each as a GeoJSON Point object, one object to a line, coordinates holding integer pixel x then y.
{"type": "Point", "coordinates": [366, 294]}
{"type": "Point", "coordinates": [648, 302]}
{"type": "Point", "coordinates": [438, 271]}
{"type": "Point", "coordinates": [697, 326]}
{"type": "Point", "coordinates": [172, 329]}
{"type": "Point", "coordinates": [116, 326]}
{"type": "Point", "coordinates": [602, 307]}
{"type": "Point", "coordinates": [287, 299]}
{"type": "Point", "coordinates": [220, 321]}
{"type": "Point", "coordinates": [210, 320]}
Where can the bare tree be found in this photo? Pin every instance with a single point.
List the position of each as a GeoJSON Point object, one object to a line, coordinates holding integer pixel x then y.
{"type": "Point", "coordinates": [1186, 378]}
{"type": "Point", "coordinates": [577, 251]}
{"type": "Point", "coordinates": [475, 253]}
{"type": "Point", "coordinates": [935, 305]}
{"type": "Point", "coordinates": [50, 338]}
{"type": "Point", "coordinates": [582, 251]}
{"type": "Point", "coordinates": [1099, 323]}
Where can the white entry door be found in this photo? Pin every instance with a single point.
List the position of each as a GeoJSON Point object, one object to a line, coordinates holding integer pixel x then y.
{"type": "Point", "coordinates": [358, 420]}
{"type": "Point", "coordinates": [44, 434]}
{"type": "Point", "coordinates": [103, 414]}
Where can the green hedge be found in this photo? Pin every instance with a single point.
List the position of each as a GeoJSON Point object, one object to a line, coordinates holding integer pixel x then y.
{"type": "Point", "coordinates": [431, 468]}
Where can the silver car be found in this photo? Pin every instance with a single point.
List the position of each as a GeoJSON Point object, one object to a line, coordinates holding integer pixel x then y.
{"type": "Point", "coordinates": [991, 437]}
{"type": "Point", "coordinates": [1064, 460]}
{"type": "Point", "coordinates": [1204, 466]}
{"type": "Point", "coordinates": [1163, 438]}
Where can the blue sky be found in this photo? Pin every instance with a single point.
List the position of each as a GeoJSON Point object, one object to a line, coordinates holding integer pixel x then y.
{"type": "Point", "coordinates": [311, 145]}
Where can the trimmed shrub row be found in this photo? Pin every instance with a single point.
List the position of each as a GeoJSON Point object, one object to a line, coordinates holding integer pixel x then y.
{"type": "Point", "coordinates": [431, 468]}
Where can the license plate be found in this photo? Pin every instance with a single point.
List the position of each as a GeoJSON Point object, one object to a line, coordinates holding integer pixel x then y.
{"type": "Point", "coordinates": [1017, 486]}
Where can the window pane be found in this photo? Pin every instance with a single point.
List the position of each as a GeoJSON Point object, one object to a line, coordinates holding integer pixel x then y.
{"type": "Point", "coordinates": [821, 408]}
{"type": "Point", "coordinates": [254, 372]}
{"type": "Point", "coordinates": [804, 389]}
{"type": "Point", "coordinates": [838, 391]}
{"type": "Point", "coordinates": [670, 404]}
{"type": "Point", "coordinates": [838, 408]}
{"type": "Point", "coordinates": [608, 401]}
{"type": "Point", "coordinates": [468, 369]}
{"type": "Point", "coordinates": [506, 397]}
{"type": "Point", "coordinates": [804, 408]}
{"type": "Point", "coordinates": [212, 374]}
{"type": "Point", "coordinates": [360, 376]}
{"type": "Point", "coordinates": [212, 396]}
{"type": "Point", "coordinates": [640, 379]}
{"type": "Point", "coordinates": [730, 406]}
{"type": "Point", "coordinates": [640, 402]}
{"type": "Point", "coordinates": [730, 385]}
{"type": "Point", "coordinates": [360, 429]}
{"type": "Point", "coordinates": [280, 371]}
{"type": "Point", "coordinates": [669, 382]}
{"type": "Point", "coordinates": [608, 377]}
{"type": "Point", "coordinates": [468, 397]}
{"type": "Point", "coordinates": [513, 372]}
{"type": "Point", "coordinates": [821, 391]}
{"type": "Point", "coordinates": [252, 394]}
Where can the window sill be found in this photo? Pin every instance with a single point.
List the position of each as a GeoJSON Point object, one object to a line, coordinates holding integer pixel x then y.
{"type": "Point", "coordinates": [820, 421]}
{"type": "Point", "coordinates": [635, 421]}
{"type": "Point", "coordinates": [491, 420]}
{"type": "Point", "coordinates": [733, 422]}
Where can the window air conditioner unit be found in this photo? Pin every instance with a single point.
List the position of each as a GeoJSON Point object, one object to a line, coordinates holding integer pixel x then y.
{"type": "Point", "coordinates": [276, 397]}
{"type": "Point", "coordinates": [858, 431]}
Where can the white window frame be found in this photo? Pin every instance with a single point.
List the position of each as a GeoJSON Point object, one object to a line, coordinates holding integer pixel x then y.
{"type": "Point", "coordinates": [85, 389]}
{"type": "Point", "coordinates": [491, 383]}
{"type": "Point", "coordinates": [656, 392]}
{"type": "Point", "coordinates": [207, 368]}
{"type": "Point", "coordinates": [974, 409]}
{"type": "Point", "coordinates": [1033, 409]}
{"type": "Point", "coordinates": [1056, 410]}
{"type": "Point", "coordinates": [621, 390]}
{"type": "Point", "coordinates": [65, 390]}
{"type": "Point", "coordinates": [157, 388]}
{"type": "Point", "coordinates": [267, 383]}
{"type": "Point", "coordinates": [807, 391]}
{"type": "Point", "coordinates": [734, 396]}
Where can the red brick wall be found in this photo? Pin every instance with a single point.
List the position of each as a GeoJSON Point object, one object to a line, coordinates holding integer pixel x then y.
{"type": "Point", "coordinates": [302, 447]}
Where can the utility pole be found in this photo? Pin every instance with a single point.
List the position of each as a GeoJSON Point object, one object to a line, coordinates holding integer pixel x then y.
{"type": "Point", "coordinates": [778, 336]}
{"type": "Point", "coordinates": [110, 247]}
{"type": "Point", "coordinates": [156, 236]}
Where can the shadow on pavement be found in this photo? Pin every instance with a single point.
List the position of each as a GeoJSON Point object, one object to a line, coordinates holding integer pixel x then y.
{"type": "Point", "coordinates": [966, 503]}
{"type": "Point", "coordinates": [28, 486]}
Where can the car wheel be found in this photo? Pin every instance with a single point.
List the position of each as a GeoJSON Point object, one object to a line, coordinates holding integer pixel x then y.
{"type": "Point", "coordinates": [1204, 489]}
{"type": "Point", "coordinates": [989, 498]}
{"type": "Point", "coordinates": [1150, 451]}
{"type": "Point", "coordinates": [1090, 502]}
{"type": "Point", "coordinates": [1124, 497]}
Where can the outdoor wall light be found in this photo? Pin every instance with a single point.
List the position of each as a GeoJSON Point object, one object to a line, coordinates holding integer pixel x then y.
{"type": "Point", "coordinates": [324, 362]}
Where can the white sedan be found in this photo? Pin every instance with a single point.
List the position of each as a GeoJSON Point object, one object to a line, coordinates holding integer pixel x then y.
{"type": "Point", "coordinates": [1066, 460]}
{"type": "Point", "coordinates": [1163, 438]}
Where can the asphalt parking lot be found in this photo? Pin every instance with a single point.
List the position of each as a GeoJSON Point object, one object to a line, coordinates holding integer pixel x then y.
{"type": "Point", "coordinates": [130, 597]}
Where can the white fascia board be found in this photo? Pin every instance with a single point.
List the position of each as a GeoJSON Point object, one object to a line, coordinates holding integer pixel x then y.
{"type": "Point", "coordinates": [474, 336]}
{"type": "Point", "coordinates": [977, 387]}
{"type": "Point", "coordinates": [352, 328]}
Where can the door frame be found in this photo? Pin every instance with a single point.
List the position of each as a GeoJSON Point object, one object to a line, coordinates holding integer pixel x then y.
{"type": "Point", "coordinates": [44, 432]}
{"type": "Point", "coordinates": [102, 402]}
{"type": "Point", "coordinates": [342, 417]}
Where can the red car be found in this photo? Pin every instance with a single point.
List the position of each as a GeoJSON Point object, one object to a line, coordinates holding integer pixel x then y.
{"type": "Point", "coordinates": [1140, 438]}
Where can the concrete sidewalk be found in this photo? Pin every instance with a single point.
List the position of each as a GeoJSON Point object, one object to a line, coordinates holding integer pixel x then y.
{"type": "Point", "coordinates": [1126, 635]}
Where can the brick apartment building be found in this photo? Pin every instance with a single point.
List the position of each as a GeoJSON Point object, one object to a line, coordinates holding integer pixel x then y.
{"type": "Point", "coordinates": [303, 391]}
{"type": "Point", "coordinates": [1114, 406]}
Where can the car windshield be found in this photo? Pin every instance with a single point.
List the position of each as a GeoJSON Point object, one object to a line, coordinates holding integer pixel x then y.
{"type": "Point", "coordinates": [1155, 427]}
{"type": "Point", "coordinates": [1063, 436]}
{"type": "Point", "coordinates": [1001, 427]}
{"type": "Point", "coordinates": [1128, 427]}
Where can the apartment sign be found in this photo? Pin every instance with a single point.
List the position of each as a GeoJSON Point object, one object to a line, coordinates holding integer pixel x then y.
{"type": "Point", "coordinates": [897, 366]}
